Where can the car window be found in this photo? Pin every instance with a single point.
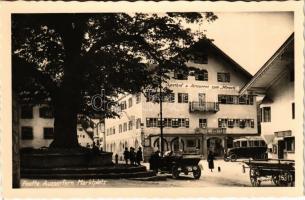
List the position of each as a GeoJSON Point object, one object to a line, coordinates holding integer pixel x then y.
{"type": "Point", "coordinates": [244, 143]}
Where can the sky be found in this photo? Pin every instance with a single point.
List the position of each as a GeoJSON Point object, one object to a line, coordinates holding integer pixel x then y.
{"type": "Point", "coordinates": [250, 38]}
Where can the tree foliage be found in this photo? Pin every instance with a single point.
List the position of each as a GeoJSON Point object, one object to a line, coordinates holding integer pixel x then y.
{"type": "Point", "coordinates": [65, 59]}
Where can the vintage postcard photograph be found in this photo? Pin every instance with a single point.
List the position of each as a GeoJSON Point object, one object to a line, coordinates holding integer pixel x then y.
{"type": "Point", "coordinates": [200, 98]}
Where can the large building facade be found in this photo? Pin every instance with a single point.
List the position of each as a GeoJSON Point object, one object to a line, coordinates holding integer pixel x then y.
{"type": "Point", "coordinates": [275, 82]}
{"type": "Point", "coordinates": [203, 113]}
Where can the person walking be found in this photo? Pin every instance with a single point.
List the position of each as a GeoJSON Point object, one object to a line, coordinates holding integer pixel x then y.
{"type": "Point", "coordinates": [132, 157]}
{"type": "Point", "coordinates": [139, 156]}
{"type": "Point", "coordinates": [126, 155]}
{"type": "Point", "coordinates": [211, 160]}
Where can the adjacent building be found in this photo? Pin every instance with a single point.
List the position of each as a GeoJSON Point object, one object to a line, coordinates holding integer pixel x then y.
{"type": "Point", "coordinates": [204, 111]}
{"type": "Point", "coordinates": [275, 82]}
{"type": "Point", "coordinates": [37, 128]}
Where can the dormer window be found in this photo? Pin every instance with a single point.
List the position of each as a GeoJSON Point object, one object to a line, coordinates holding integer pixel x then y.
{"type": "Point", "coordinates": [223, 77]}
{"type": "Point", "coordinates": [201, 59]}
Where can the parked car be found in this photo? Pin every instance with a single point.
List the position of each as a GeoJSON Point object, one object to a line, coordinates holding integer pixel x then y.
{"type": "Point", "coordinates": [176, 164]}
{"type": "Point", "coordinates": [249, 147]}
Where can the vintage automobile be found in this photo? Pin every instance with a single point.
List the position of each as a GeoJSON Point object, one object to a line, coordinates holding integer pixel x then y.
{"type": "Point", "coordinates": [175, 164]}
{"type": "Point", "coordinates": [249, 147]}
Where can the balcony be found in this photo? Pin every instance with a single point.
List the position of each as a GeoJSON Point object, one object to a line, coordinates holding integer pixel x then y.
{"type": "Point", "coordinates": [210, 130]}
{"type": "Point", "coordinates": [204, 106]}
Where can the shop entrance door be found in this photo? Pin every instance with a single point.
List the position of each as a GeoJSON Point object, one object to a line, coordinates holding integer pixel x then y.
{"type": "Point", "coordinates": [281, 147]}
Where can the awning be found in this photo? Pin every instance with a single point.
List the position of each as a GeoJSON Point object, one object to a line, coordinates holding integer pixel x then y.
{"type": "Point", "coordinates": [268, 138]}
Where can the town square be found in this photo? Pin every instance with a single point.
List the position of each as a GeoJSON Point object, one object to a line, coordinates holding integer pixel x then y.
{"type": "Point", "coordinates": [136, 99]}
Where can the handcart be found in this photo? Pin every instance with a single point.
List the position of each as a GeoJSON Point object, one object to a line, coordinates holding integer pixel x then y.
{"type": "Point", "coordinates": [280, 172]}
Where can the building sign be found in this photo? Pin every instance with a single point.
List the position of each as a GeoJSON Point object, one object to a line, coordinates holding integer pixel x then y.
{"type": "Point", "coordinates": [283, 133]}
{"type": "Point", "coordinates": [202, 86]}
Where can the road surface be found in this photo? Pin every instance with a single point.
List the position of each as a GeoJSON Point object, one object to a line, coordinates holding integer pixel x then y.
{"type": "Point", "coordinates": [230, 175]}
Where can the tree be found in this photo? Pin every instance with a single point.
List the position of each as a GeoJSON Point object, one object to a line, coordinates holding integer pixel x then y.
{"type": "Point", "coordinates": [65, 59]}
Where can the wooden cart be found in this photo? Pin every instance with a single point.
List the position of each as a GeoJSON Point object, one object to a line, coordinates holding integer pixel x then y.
{"type": "Point", "coordinates": [280, 172]}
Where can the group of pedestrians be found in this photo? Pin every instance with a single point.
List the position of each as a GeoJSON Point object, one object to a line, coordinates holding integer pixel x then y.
{"type": "Point", "coordinates": [134, 157]}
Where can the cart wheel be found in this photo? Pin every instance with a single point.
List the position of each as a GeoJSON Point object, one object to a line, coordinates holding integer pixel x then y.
{"type": "Point", "coordinates": [286, 179]}
{"type": "Point", "coordinates": [197, 172]}
{"type": "Point", "coordinates": [276, 180]}
{"type": "Point", "coordinates": [233, 157]}
{"type": "Point", "coordinates": [254, 174]}
{"type": "Point", "coordinates": [175, 172]}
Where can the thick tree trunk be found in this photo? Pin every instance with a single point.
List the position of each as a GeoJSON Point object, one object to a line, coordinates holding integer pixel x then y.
{"type": "Point", "coordinates": [67, 99]}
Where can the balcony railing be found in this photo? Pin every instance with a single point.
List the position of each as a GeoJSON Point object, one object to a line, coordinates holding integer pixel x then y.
{"type": "Point", "coordinates": [204, 106]}
{"type": "Point", "coordinates": [211, 130]}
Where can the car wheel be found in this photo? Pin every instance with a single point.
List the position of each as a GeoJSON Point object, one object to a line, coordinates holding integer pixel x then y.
{"type": "Point", "coordinates": [197, 172]}
{"type": "Point", "coordinates": [226, 159]}
{"type": "Point", "coordinates": [233, 157]}
{"type": "Point", "coordinates": [175, 172]}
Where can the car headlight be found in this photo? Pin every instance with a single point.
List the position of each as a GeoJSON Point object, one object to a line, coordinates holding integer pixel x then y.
{"type": "Point", "coordinates": [195, 168]}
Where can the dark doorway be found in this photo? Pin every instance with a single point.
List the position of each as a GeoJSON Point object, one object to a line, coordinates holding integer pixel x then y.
{"type": "Point", "coordinates": [280, 151]}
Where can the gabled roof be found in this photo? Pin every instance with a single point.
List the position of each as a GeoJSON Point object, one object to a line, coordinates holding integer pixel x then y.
{"type": "Point", "coordinates": [209, 46]}
{"type": "Point", "coordinates": [268, 69]}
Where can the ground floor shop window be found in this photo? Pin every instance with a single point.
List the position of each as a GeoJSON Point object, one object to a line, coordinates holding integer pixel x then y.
{"type": "Point", "coordinates": [190, 143]}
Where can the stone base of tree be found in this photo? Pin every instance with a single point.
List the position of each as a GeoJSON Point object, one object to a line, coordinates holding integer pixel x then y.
{"type": "Point", "coordinates": [56, 158]}
{"type": "Point", "coordinates": [103, 172]}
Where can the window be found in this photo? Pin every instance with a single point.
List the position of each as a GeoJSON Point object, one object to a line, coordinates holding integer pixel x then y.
{"type": "Point", "coordinates": [190, 143]}
{"type": "Point", "coordinates": [113, 130]}
{"type": "Point", "coordinates": [45, 112]}
{"type": "Point", "coordinates": [222, 99]}
{"type": "Point", "coordinates": [138, 123]}
{"type": "Point", "coordinates": [242, 123]}
{"type": "Point", "coordinates": [243, 143]}
{"type": "Point", "coordinates": [256, 143]}
{"type": "Point", "coordinates": [26, 133]}
{"type": "Point", "coordinates": [26, 112]}
{"type": "Point", "coordinates": [138, 98]}
{"type": "Point", "coordinates": [201, 75]}
{"type": "Point", "coordinates": [289, 144]}
{"type": "Point", "coordinates": [180, 75]}
{"type": "Point", "coordinates": [237, 144]}
{"type": "Point", "coordinates": [202, 123]}
{"type": "Point", "coordinates": [129, 102]}
{"type": "Point", "coordinates": [222, 123]}
{"type": "Point", "coordinates": [169, 97]}
{"type": "Point", "coordinates": [120, 128]}
{"type": "Point", "coordinates": [123, 105]}
{"type": "Point", "coordinates": [125, 127]}
{"type": "Point", "coordinates": [230, 99]}
{"type": "Point", "coordinates": [175, 123]}
{"type": "Point", "coordinates": [183, 98]}
{"type": "Point", "coordinates": [252, 123]}
{"type": "Point", "coordinates": [201, 59]}
{"type": "Point", "coordinates": [235, 99]}
{"type": "Point", "coordinates": [130, 125]}
{"type": "Point", "coordinates": [230, 123]}
{"type": "Point", "coordinates": [187, 123]}
{"type": "Point", "coordinates": [293, 111]}
{"type": "Point", "coordinates": [167, 122]}
{"type": "Point", "coordinates": [266, 114]}
{"type": "Point", "coordinates": [48, 133]}
{"type": "Point", "coordinates": [242, 100]}
{"type": "Point", "coordinates": [223, 77]}
{"type": "Point", "coordinates": [151, 122]}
